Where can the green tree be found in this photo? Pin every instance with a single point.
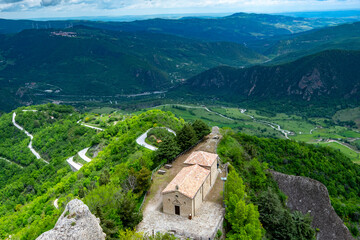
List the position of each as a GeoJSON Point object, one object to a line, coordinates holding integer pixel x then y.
{"type": "Point", "coordinates": [142, 180]}
{"type": "Point", "coordinates": [243, 218]}
{"type": "Point", "coordinates": [126, 210]}
{"type": "Point", "coordinates": [280, 222]}
{"type": "Point", "coordinates": [104, 177]}
{"type": "Point", "coordinates": [167, 150]}
{"type": "Point", "coordinates": [201, 128]}
{"type": "Point", "coordinates": [186, 137]}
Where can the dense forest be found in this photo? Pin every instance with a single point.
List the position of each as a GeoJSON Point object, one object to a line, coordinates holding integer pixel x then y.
{"type": "Point", "coordinates": [327, 165]}
{"type": "Point", "coordinates": [255, 207]}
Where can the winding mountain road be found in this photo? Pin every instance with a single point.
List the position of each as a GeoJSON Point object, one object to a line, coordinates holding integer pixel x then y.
{"type": "Point", "coordinates": [76, 166]}
{"type": "Point", "coordinates": [82, 154]}
{"type": "Point", "coordinates": [36, 154]}
{"type": "Point", "coordinates": [311, 131]}
{"type": "Point", "coordinates": [89, 126]}
{"type": "Point", "coordinates": [141, 140]}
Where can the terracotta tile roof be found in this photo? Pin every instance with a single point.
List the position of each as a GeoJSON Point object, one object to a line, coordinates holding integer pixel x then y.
{"type": "Point", "coordinates": [201, 158]}
{"type": "Point", "coordinates": [188, 181]}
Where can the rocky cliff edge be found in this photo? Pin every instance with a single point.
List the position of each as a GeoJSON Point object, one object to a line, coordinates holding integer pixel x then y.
{"type": "Point", "coordinates": [310, 196]}
{"type": "Point", "coordinates": [75, 223]}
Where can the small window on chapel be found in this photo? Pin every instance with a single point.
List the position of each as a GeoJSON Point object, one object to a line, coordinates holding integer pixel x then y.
{"type": "Point", "coordinates": [176, 196]}
{"type": "Point", "coordinates": [169, 199]}
{"type": "Point", "coordinates": [184, 203]}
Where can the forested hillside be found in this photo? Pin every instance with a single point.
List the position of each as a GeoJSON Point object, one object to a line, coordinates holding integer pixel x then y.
{"type": "Point", "coordinates": [255, 207]}
{"type": "Point", "coordinates": [102, 183]}
{"type": "Point", "coordinates": [36, 65]}
{"type": "Point", "coordinates": [337, 172]}
{"type": "Point", "coordinates": [345, 36]}
{"type": "Point", "coordinates": [23, 177]}
{"type": "Point", "coordinates": [325, 78]}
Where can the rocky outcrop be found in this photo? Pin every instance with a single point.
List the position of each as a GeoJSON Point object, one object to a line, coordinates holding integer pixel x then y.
{"type": "Point", "coordinates": [310, 196]}
{"type": "Point", "coordinates": [75, 223]}
{"type": "Point", "coordinates": [326, 75]}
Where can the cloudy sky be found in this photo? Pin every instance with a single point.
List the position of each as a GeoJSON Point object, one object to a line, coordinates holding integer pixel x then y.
{"type": "Point", "coordinates": [18, 9]}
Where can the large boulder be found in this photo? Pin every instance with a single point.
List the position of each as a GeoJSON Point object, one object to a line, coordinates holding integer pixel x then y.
{"type": "Point", "coordinates": [310, 196]}
{"type": "Point", "coordinates": [75, 223]}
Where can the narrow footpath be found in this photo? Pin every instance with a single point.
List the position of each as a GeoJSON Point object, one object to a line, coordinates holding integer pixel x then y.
{"type": "Point", "coordinates": [7, 160]}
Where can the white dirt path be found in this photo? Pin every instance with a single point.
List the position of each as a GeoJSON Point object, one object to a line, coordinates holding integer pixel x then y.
{"type": "Point", "coordinates": [7, 160]}
{"type": "Point", "coordinates": [334, 141]}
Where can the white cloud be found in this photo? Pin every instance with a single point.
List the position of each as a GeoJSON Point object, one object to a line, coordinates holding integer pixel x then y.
{"type": "Point", "coordinates": [58, 8]}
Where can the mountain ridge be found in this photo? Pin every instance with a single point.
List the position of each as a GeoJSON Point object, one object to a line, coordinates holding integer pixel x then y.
{"type": "Point", "coordinates": [331, 74]}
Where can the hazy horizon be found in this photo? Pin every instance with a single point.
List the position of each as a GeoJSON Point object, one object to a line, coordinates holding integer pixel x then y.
{"type": "Point", "coordinates": [67, 9]}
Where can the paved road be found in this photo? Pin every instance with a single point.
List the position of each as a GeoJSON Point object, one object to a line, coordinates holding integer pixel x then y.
{"type": "Point", "coordinates": [202, 107]}
{"type": "Point", "coordinates": [89, 126]}
{"type": "Point", "coordinates": [311, 131]}
{"type": "Point", "coordinates": [56, 203]}
{"type": "Point", "coordinates": [141, 140]}
{"type": "Point", "coordinates": [82, 154]}
{"type": "Point", "coordinates": [36, 154]}
{"type": "Point", "coordinates": [96, 128]}
{"type": "Point", "coordinates": [76, 166]}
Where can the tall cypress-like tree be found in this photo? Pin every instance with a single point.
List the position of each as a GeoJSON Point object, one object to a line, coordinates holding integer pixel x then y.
{"type": "Point", "coordinates": [186, 137]}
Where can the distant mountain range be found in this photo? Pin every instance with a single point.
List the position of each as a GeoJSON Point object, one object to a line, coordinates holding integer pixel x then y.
{"type": "Point", "coordinates": [239, 27]}
{"type": "Point", "coordinates": [345, 36]}
{"type": "Point", "coordinates": [249, 55]}
{"type": "Point", "coordinates": [332, 75]}
{"type": "Point", "coordinates": [92, 62]}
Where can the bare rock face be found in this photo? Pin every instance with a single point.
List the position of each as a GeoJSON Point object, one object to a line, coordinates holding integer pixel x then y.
{"type": "Point", "coordinates": [308, 195]}
{"type": "Point", "coordinates": [75, 223]}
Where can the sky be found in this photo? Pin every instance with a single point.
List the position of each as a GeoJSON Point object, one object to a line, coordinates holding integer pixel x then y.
{"type": "Point", "coordinates": [31, 9]}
